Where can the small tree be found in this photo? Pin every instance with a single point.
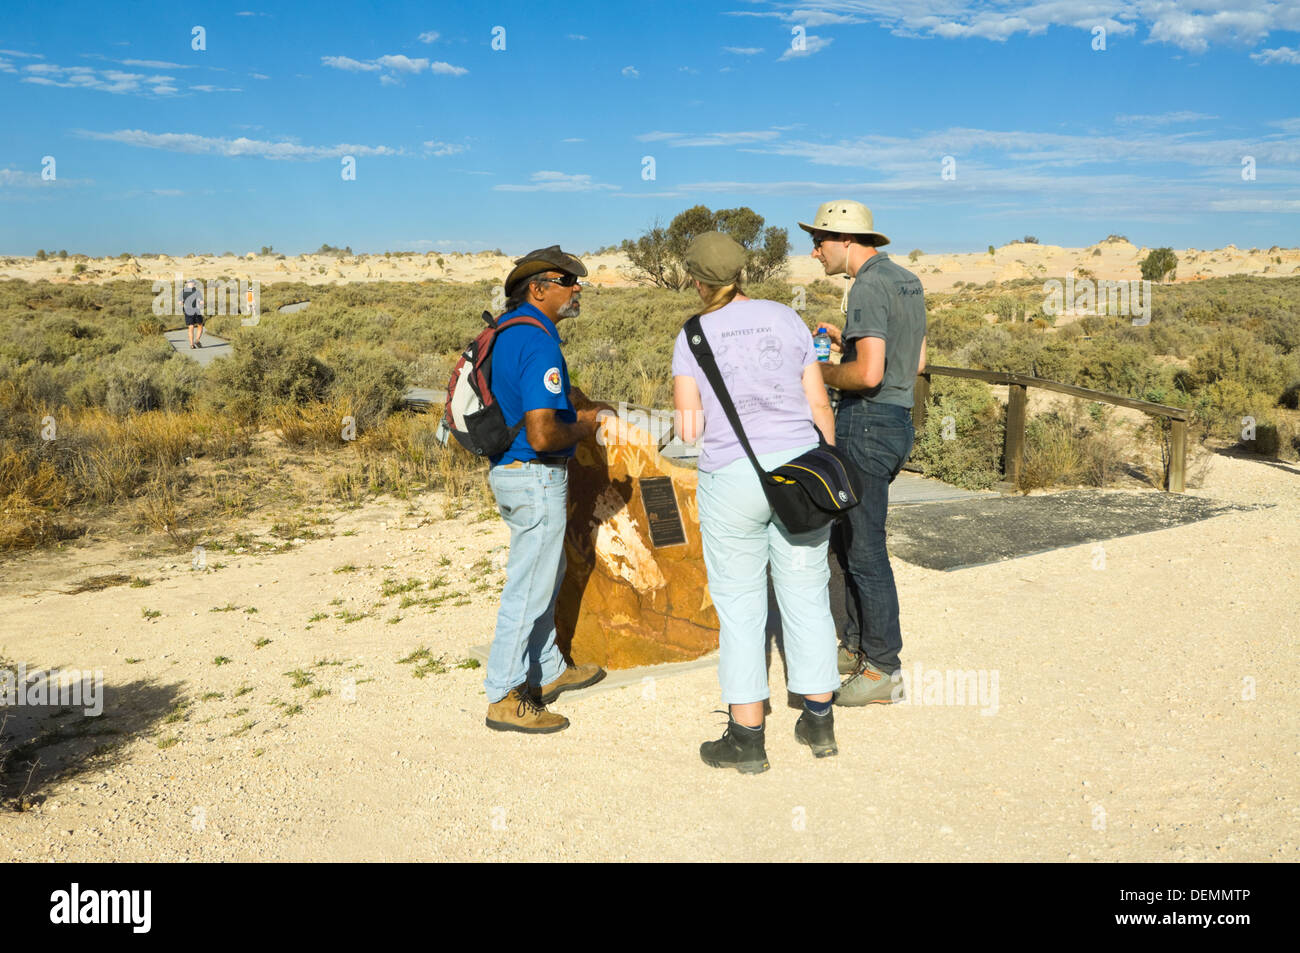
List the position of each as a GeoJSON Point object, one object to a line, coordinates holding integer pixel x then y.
{"type": "Point", "coordinates": [63, 254]}
{"type": "Point", "coordinates": [990, 249]}
{"type": "Point", "coordinates": [1160, 265]}
{"type": "Point", "coordinates": [268, 250]}
{"type": "Point", "coordinates": [40, 254]}
{"type": "Point", "coordinates": [914, 254]}
{"type": "Point", "coordinates": [1030, 240]}
{"type": "Point", "coordinates": [658, 255]}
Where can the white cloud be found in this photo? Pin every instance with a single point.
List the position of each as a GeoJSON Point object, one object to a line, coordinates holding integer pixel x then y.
{"type": "Point", "coordinates": [1256, 205]}
{"type": "Point", "coordinates": [208, 145]}
{"type": "Point", "coordinates": [103, 80]}
{"type": "Point", "coordinates": [19, 182]}
{"type": "Point", "coordinates": [1283, 54]}
{"type": "Point", "coordinates": [429, 36]}
{"type": "Point", "coordinates": [16, 178]}
{"type": "Point", "coordinates": [573, 140]}
{"type": "Point", "coordinates": [744, 50]}
{"type": "Point", "coordinates": [153, 64]}
{"type": "Point", "coordinates": [557, 182]}
{"type": "Point", "coordinates": [576, 36]}
{"type": "Point", "coordinates": [1188, 24]}
{"type": "Point", "coordinates": [708, 138]}
{"type": "Point", "coordinates": [811, 44]}
{"type": "Point", "coordinates": [394, 63]}
{"type": "Point", "coordinates": [349, 64]}
{"type": "Point", "coordinates": [436, 148]}
{"type": "Point", "coordinates": [217, 89]}
{"type": "Point", "coordinates": [22, 55]}
{"type": "Point", "coordinates": [259, 76]}
{"type": "Point", "coordinates": [630, 72]}
{"type": "Point", "coordinates": [1164, 119]}
{"type": "Point", "coordinates": [403, 64]}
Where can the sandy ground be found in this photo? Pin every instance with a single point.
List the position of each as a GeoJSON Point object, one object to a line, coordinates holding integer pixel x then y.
{"type": "Point", "coordinates": [1114, 260]}
{"type": "Point", "coordinates": [1145, 709]}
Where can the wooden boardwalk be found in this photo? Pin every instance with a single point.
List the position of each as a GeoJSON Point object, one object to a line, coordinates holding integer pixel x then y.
{"type": "Point", "coordinates": [213, 346]}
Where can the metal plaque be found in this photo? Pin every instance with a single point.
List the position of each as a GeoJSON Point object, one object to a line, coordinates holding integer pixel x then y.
{"type": "Point", "coordinates": [661, 512]}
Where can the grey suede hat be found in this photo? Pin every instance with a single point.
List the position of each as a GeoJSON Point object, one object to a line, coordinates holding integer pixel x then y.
{"type": "Point", "coordinates": [543, 259]}
{"type": "Point", "coordinates": [715, 259]}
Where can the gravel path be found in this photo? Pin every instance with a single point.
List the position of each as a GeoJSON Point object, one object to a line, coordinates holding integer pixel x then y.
{"type": "Point", "coordinates": [1145, 709]}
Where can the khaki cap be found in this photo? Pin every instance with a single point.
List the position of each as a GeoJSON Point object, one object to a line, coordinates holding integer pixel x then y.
{"type": "Point", "coordinates": [845, 217]}
{"type": "Point", "coordinates": [543, 259]}
{"type": "Point", "coordinates": [715, 259]}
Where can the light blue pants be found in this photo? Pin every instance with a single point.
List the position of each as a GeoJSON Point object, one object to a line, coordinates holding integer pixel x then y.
{"type": "Point", "coordinates": [741, 536]}
{"type": "Point", "coordinates": [533, 501]}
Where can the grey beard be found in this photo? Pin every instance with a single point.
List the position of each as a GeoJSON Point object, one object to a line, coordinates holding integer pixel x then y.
{"type": "Point", "coordinates": [569, 309]}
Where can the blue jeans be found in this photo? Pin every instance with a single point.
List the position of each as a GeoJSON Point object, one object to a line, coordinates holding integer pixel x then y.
{"type": "Point", "coordinates": [741, 536]}
{"type": "Point", "coordinates": [533, 501]}
{"type": "Point", "coordinates": [878, 438]}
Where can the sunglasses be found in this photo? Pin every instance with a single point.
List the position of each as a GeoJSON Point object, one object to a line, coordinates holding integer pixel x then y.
{"type": "Point", "coordinates": [819, 239]}
{"type": "Point", "coordinates": [568, 281]}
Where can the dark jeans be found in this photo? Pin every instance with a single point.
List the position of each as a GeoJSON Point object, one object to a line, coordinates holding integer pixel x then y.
{"type": "Point", "coordinates": [878, 438]}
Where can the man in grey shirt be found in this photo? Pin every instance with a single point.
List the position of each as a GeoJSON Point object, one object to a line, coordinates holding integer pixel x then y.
{"type": "Point", "coordinates": [883, 347]}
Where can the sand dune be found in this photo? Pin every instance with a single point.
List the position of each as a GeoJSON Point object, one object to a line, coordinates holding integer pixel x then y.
{"type": "Point", "coordinates": [1114, 260]}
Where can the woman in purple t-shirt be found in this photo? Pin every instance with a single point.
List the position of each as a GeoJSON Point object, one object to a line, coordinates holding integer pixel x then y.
{"type": "Point", "coordinates": [765, 354]}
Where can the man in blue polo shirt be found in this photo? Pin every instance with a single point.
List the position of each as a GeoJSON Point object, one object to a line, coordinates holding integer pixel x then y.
{"type": "Point", "coordinates": [526, 670]}
{"type": "Point", "coordinates": [883, 346]}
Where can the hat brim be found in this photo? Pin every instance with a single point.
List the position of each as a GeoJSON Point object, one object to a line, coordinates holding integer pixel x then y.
{"type": "Point", "coordinates": [530, 268]}
{"type": "Point", "coordinates": [879, 239]}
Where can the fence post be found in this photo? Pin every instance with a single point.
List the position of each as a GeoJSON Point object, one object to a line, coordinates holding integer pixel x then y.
{"type": "Point", "coordinates": [920, 402]}
{"type": "Point", "coordinates": [1177, 455]}
{"type": "Point", "coordinates": [1014, 446]}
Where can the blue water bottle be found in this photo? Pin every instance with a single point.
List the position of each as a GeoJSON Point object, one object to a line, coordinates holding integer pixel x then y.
{"type": "Point", "coordinates": [822, 346]}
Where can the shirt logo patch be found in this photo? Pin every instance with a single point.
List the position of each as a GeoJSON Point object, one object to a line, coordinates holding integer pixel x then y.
{"type": "Point", "coordinates": [552, 380]}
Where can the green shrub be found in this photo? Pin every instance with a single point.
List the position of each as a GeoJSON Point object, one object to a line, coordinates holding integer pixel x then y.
{"type": "Point", "coordinates": [966, 448]}
{"type": "Point", "coordinates": [1159, 265]}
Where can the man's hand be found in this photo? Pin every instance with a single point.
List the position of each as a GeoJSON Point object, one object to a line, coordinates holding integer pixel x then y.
{"type": "Point", "coordinates": [834, 333]}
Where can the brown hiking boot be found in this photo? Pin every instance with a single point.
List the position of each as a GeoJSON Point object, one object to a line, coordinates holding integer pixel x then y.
{"type": "Point", "coordinates": [518, 712]}
{"type": "Point", "coordinates": [575, 676]}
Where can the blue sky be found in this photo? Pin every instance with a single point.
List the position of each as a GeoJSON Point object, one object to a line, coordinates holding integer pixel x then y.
{"type": "Point", "coordinates": [459, 146]}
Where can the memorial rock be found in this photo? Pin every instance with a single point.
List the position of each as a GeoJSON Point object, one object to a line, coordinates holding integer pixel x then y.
{"type": "Point", "coordinates": [635, 590]}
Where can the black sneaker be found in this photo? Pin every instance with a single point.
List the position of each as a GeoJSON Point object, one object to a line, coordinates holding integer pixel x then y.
{"type": "Point", "coordinates": [739, 747]}
{"type": "Point", "coordinates": [818, 733]}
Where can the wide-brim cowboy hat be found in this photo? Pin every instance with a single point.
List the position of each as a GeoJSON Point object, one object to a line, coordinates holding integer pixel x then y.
{"type": "Point", "coordinates": [845, 217]}
{"type": "Point", "coordinates": [550, 258]}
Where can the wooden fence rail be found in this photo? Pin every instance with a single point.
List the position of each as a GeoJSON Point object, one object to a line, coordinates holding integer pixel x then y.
{"type": "Point", "coordinates": [1018, 385]}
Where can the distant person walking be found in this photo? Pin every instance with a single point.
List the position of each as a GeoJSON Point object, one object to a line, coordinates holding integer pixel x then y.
{"type": "Point", "coordinates": [526, 670]}
{"type": "Point", "coordinates": [768, 366]}
{"type": "Point", "coordinates": [192, 306]}
{"type": "Point", "coordinates": [883, 347]}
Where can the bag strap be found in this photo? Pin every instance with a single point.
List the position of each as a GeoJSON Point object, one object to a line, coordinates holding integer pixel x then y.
{"type": "Point", "coordinates": [704, 357]}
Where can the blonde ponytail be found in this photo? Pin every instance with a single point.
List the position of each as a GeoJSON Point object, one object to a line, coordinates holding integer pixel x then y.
{"type": "Point", "coordinates": [720, 296]}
